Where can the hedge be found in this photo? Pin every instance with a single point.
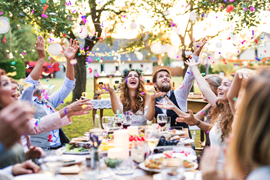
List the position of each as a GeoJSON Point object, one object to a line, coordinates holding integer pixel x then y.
{"type": "Point", "coordinates": [8, 66]}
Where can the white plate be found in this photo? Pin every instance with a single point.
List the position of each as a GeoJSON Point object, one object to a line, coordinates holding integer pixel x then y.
{"type": "Point", "coordinates": [78, 159]}
{"type": "Point", "coordinates": [39, 177]}
{"type": "Point", "coordinates": [73, 153]}
{"type": "Point", "coordinates": [142, 166]}
{"type": "Point", "coordinates": [178, 132]}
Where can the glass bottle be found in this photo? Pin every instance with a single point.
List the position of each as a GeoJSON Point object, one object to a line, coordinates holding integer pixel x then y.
{"type": "Point", "coordinates": [97, 122]}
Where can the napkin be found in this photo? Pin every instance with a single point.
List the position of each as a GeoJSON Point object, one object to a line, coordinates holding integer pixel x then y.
{"type": "Point", "coordinates": [70, 170]}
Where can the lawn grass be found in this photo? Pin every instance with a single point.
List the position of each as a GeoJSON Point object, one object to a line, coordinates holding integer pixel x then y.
{"type": "Point", "coordinates": [82, 124]}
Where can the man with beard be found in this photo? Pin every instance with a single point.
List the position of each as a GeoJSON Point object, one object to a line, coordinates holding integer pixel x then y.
{"type": "Point", "coordinates": [162, 83]}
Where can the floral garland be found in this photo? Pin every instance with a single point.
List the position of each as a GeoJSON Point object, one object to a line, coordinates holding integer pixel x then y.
{"type": "Point", "coordinates": [126, 71]}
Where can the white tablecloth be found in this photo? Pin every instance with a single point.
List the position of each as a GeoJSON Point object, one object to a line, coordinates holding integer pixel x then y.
{"type": "Point", "coordinates": [102, 103]}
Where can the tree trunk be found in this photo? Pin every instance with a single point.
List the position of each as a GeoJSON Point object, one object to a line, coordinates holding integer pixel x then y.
{"type": "Point", "coordinates": [80, 75]}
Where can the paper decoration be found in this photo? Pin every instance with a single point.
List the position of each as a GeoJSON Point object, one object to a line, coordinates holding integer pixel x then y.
{"type": "Point", "coordinates": [219, 44]}
{"type": "Point", "coordinates": [193, 16]}
{"type": "Point", "coordinates": [156, 47]}
{"type": "Point", "coordinates": [4, 25]}
{"type": "Point", "coordinates": [133, 25]}
{"type": "Point", "coordinates": [166, 12]}
{"type": "Point", "coordinates": [54, 49]}
{"type": "Point", "coordinates": [139, 55]}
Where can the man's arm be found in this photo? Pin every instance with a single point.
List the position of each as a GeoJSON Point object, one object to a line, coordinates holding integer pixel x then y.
{"type": "Point", "coordinates": [69, 81]}
{"type": "Point", "coordinates": [32, 80]}
{"type": "Point", "coordinates": [182, 92]}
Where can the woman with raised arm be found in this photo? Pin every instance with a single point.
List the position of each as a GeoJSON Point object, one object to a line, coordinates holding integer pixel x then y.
{"type": "Point", "coordinates": [221, 113]}
{"type": "Point", "coordinates": [133, 96]}
{"type": "Point", "coordinates": [198, 119]}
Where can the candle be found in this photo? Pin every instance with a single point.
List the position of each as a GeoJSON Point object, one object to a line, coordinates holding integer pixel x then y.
{"type": "Point", "coordinates": [121, 140]}
{"type": "Point", "coordinates": [115, 153]}
{"type": "Point", "coordinates": [133, 130]}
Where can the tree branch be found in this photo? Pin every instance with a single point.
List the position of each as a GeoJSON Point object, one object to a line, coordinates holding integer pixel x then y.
{"type": "Point", "coordinates": [117, 13]}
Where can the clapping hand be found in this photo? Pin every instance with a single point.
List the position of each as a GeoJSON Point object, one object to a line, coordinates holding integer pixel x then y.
{"type": "Point", "coordinates": [157, 94]}
{"type": "Point", "coordinates": [40, 48]}
{"type": "Point", "coordinates": [169, 105]}
{"type": "Point", "coordinates": [189, 119]}
{"type": "Point", "coordinates": [71, 50]}
{"type": "Point", "coordinates": [107, 87]}
{"type": "Point", "coordinates": [198, 45]}
{"type": "Point", "coordinates": [191, 63]}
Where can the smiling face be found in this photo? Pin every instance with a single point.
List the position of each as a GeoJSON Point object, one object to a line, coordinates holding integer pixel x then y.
{"type": "Point", "coordinates": [132, 80]}
{"type": "Point", "coordinates": [8, 91]}
{"type": "Point", "coordinates": [223, 90]}
{"type": "Point", "coordinates": [163, 82]}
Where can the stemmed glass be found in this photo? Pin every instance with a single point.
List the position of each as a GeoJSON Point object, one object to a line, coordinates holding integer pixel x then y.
{"type": "Point", "coordinates": [152, 139]}
{"type": "Point", "coordinates": [52, 162]}
{"type": "Point", "coordinates": [162, 120]}
{"type": "Point", "coordinates": [107, 123]}
{"type": "Point", "coordinates": [118, 120]}
{"type": "Point", "coordinates": [127, 120]}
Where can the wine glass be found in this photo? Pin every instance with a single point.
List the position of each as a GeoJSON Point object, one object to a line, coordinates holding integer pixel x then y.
{"type": "Point", "coordinates": [152, 139]}
{"type": "Point", "coordinates": [52, 162]}
{"type": "Point", "coordinates": [162, 120]}
{"type": "Point", "coordinates": [127, 120]}
{"type": "Point", "coordinates": [107, 123]}
{"type": "Point", "coordinates": [118, 120]}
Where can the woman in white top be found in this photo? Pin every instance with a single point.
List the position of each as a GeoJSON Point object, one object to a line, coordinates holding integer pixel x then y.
{"type": "Point", "coordinates": [133, 96]}
{"type": "Point", "coordinates": [222, 117]}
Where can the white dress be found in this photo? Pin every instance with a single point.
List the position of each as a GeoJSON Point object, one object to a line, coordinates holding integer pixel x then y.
{"type": "Point", "coordinates": [215, 140]}
{"type": "Point", "coordinates": [139, 119]}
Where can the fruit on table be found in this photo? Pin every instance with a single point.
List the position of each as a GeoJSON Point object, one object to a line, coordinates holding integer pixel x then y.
{"type": "Point", "coordinates": [169, 154]}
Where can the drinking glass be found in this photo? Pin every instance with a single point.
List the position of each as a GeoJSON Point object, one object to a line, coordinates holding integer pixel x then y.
{"type": "Point", "coordinates": [152, 139]}
{"type": "Point", "coordinates": [107, 122]}
{"type": "Point", "coordinates": [117, 120]}
{"type": "Point", "coordinates": [127, 120]}
{"type": "Point", "coordinates": [162, 120]}
{"type": "Point", "coordinates": [52, 162]}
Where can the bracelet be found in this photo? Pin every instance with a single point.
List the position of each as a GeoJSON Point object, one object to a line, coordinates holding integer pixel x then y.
{"type": "Point", "coordinates": [198, 123]}
{"type": "Point", "coordinates": [65, 110]}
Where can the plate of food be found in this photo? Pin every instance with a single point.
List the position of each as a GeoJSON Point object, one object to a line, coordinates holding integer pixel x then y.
{"type": "Point", "coordinates": [74, 149]}
{"type": "Point", "coordinates": [72, 159]}
{"type": "Point", "coordinates": [155, 164]}
{"type": "Point", "coordinates": [175, 132]}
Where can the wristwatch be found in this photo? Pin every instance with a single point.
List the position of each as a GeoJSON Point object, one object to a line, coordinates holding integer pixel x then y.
{"type": "Point", "coordinates": [198, 123]}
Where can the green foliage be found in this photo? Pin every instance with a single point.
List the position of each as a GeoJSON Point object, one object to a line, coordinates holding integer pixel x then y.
{"type": "Point", "coordinates": [9, 67]}
{"type": "Point", "coordinates": [202, 69]}
{"type": "Point", "coordinates": [19, 40]}
{"type": "Point", "coordinates": [242, 13]}
{"type": "Point", "coordinates": [226, 68]}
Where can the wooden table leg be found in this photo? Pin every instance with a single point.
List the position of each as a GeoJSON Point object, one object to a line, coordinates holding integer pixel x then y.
{"type": "Point", "coordinates": [202, 135]}
{"type": "Point", "coordinates": [101, 113]}
{"type": "Point", "coordinates": [94, 111]}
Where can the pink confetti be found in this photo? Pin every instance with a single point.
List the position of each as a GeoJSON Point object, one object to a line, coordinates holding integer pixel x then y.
{"type": "Point", "coordinates": [1, 13]}
{"type": "Point", "coordinates": [143, 92]}
{"type": "Point", "coordinates": [182, 86]}
{"type": "Point", "coordinates": [44, 15]}
{"type": "Point", "coordinates": [32, 11]}
{"type": "Point", "coordinates": [252, 8]}
{"type": "Point", "coordinates": [74, 11]}
{"type": "Point", "coordinates": [202, 112]}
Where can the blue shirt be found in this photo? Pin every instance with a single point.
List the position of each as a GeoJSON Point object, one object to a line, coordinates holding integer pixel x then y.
{"type": "Point", "coordinates": [55, 99]}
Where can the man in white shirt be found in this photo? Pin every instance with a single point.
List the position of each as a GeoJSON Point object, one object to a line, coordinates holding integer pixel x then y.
{"type": "Point", "coordinates": [162, 83]}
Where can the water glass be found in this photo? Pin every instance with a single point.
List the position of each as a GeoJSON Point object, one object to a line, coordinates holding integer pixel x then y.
{"type": "Point", "coordinates": [52, 162]}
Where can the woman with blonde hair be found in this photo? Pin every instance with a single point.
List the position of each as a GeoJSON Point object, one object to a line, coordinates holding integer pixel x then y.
{"type": "Point", "coordinates": [249, 147]}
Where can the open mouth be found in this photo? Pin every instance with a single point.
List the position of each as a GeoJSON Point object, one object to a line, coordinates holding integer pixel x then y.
{"type": "Point", "coordinates": [220, 93]}
{"type": "Point", "coordinates": [133, 82]}
{"type": "Point", "coordinates": [14, 95]}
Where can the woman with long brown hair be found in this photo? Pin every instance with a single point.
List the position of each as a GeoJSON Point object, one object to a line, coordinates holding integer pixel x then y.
{"type": "Point", "coordinates": [133, 96]}
{"type": "Point", "coordinates": [222, 116]}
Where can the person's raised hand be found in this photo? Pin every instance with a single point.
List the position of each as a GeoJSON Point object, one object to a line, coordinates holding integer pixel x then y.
{"type": "Point", "coordinates": [40, 46]}
{"type": "Point", "coordinates": [80, 107]}
{"type": "Point", "coordinates": [198, 45]}
{"type": "Point", "coordinates": [34, 153]}
{"type": "Point", "coordinates": [71, 50]}
{"type": "Point", "coordinates": [157, 94]}
{"type": "Point", "coordinates": [192, 63]}
{"type": "Point", "coordinates": [209, 163]}
{"type": "Point", "coordinates": [107, 87]}
{"type": "Point", "coordinates": [27, 167]}
{"type": "Point", "coordinates": [189, 119]}
{"type": "Point", "coordinates": [14, 119]}
{"type": "Point", "coordinates": [169, 105]}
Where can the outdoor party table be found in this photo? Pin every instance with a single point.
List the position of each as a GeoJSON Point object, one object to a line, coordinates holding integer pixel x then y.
{"type": "Point", "coordinates": [139, 173]}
